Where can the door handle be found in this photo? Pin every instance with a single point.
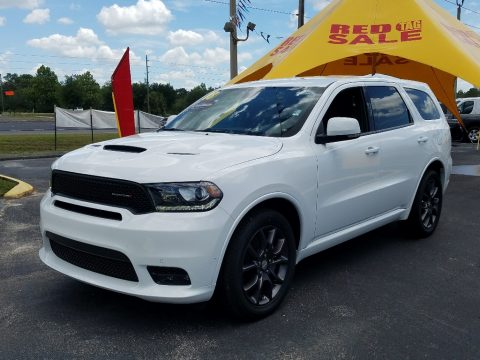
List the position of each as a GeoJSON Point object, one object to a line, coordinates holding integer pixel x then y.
{"type": "Point", "coordinates": [422, 139]}
{"type": "Point", "coordinates": [371, 150]}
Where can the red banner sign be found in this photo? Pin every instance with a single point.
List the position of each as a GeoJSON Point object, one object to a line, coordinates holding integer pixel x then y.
{"type": "Point", "coordinates": [123, 96]}
{"type": "Point", "coordinates": [343, 34]}
{"type": "Point", "coordinates": [9, 93]}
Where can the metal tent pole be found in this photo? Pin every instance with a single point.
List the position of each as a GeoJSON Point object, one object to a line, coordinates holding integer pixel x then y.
{"type": "Point", "coordinates": [91, 124]}
{"type": "Point", "coordinates": [55, 123]}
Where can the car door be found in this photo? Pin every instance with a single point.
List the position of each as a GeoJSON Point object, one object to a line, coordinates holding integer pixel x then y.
{"type": "Point", "coordinates": [347, 170]}
{"type": "Point", "coordinates": [405, 146]}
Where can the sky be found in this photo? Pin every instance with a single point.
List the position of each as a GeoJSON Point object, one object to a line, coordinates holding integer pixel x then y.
{"type": "Point", "coordinates": [184, 39]}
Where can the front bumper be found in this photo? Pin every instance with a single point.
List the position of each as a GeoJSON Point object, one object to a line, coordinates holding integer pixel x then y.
{"type": "Point", "coordinates": [190, 241]}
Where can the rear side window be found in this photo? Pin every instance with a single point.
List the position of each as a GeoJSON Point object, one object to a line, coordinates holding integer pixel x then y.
{"type": "Point", "coordinates": [387, 107]}
{"type": "Point", "coordinates": [466, 107]}
{"type": "Point", "coordinates": [424, 104]}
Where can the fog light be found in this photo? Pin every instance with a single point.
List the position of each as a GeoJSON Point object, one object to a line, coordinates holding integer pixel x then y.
{"type": "Point", "coordinates": [169, 275]}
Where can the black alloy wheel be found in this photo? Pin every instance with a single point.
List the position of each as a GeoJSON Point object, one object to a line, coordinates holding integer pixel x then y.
{"type": "Point", "coordinates": [427, 206]}
{"type": "Point", "coordinates": [259, 265]}
{"type": "Point", "coordinates": [265, 265]}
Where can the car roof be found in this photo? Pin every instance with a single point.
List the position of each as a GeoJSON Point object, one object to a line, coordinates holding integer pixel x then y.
{"type": "Point", "coordinates": [324, 81]}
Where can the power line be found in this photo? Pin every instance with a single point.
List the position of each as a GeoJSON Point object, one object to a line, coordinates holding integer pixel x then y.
{"type": "Point", "coordinates": [256, 8]}
{"type": "Point", "coordinates": [473, 11]}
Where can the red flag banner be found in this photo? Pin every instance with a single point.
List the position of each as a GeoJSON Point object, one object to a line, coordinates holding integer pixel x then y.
{"type": "Point", "coordinates": [9, 93]}
{"type": "Point", "coordinates": [123, 96]}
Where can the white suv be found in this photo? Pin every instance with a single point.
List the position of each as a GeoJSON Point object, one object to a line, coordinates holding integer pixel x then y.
{"type": "Point", "coordinates": [244, 184]}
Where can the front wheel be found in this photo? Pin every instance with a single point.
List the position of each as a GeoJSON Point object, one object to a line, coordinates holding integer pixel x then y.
{"type": "Point", "coordinates": [427, 206]}
{"type": "Point", "coordinates": [259, 265]}
{"type": "Point", "coordinates": [473, 134]}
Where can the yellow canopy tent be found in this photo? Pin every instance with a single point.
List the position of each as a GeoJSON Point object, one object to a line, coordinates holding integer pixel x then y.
{"type": "Point", "coordinates": [409, 39]}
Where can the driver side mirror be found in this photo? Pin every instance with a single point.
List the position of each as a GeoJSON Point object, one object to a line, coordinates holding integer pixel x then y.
{"type": "Point", "coordinates": [340, 129]}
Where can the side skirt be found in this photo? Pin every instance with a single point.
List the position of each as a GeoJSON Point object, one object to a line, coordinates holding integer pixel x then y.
{"type": "Point", "coordinates": [332, 239]}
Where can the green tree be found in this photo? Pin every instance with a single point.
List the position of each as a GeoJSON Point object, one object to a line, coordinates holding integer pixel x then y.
{"type": "Point", "coordinates": [157, 103]}
{"type": "Point", "coordinates": [169, 94]}
{"type": "Point", "coordinates": [46, 89]}
{"type": "Point", "coordinates": [22, 85]}
{"type": "Point", "coordinates": [140, 96]}
{"type": "Point", "coordinates": [106, 97]}
{"type": "Point", "coordinates": [81, 90]}
{"type": "Point", "coordinates": [472, 92]}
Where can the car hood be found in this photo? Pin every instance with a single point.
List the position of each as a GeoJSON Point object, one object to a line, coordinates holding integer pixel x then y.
{"type": "Point", "coordinates": [168, 156]}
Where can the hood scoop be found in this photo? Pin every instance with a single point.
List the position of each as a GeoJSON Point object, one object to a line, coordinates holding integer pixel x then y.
{"type": "Point", "coordinates": [124, 148]}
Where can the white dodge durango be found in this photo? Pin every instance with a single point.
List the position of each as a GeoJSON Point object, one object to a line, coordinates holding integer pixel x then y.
{"type": "Point", "coordinates": [245, 183]}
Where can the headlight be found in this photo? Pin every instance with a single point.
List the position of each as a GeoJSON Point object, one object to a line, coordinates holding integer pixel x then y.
{"type": "Point", "coordinates": [183, 197]}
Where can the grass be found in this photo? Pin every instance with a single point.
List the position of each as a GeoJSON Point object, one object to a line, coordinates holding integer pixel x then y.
{"type": "Point", "coordinates": [6, 185]}
{"type": "Point", "coordinates": [41, 144]}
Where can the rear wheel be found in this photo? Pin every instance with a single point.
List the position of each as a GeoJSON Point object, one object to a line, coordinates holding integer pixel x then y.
{"type": "Point", "coordinates": [259, 265]}
{"type": "Point", "coordinates": [427, 206]}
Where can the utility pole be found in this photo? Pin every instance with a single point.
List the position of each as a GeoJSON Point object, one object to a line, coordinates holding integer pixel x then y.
{"type": "Point", "coordinates": [148, 85]}
{"type": "Point", "coordinates": [459, 18]}
{"type": "Point", "coordinates": [233, 41]}
{"type": "Point", "coordinates": [1, 89]}
{"type": "Point", "coordinates": [301, 13]}
{"type": "Point", "coordinates": [459, 9]}
{"type": "Point", "coordinates": [231, 27]}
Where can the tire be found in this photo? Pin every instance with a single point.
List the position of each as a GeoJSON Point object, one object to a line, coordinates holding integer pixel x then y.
{"type": "Point", "coordinates": [473, 134]}
{"type": "Point", "coordinates": [259, 265]}
{"type": "Point", "coordinates": [427, 206]}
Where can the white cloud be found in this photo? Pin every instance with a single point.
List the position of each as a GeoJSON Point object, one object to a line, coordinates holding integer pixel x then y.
{"type": "Point", "coordinates": [210, 57]}
{"type": "Point", "coordinates": [84, 44]}
{"type": "Point", "coordinates": [185, 37]}
{"type": "Point", "coordinates": [192, 38]}
{"type": "Point", "coordinates": [216, 56]}
{"type": "Point", "coordinates": [178, 55]}
{"type": "Point", "coordinates": [23, 4]}
{"type": "Point", "coordinates": [3, 21]}
{"type": "Point", "coordinates": [146, 17]}
{"type": "Point", "coordinates": [38, 16]}
{"type": "Point", "coordinates": [65, 21]}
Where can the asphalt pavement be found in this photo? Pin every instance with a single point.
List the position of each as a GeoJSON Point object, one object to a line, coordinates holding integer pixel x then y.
{"type": "Point", "coordinates": [379, 296]}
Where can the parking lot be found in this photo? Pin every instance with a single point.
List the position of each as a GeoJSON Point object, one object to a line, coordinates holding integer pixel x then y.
{"type": "Point", "coordinates": [378, 296]}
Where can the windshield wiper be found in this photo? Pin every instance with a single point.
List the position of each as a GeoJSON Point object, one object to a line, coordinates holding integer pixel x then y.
{"type": "Point", "coordinates": [231, 131]}
{"type": "Point", "coordinates": [170, 129]}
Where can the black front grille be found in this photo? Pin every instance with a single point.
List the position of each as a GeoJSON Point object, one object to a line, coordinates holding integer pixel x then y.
{"type": "Point", "coordinates": [94, 258]}
{"type": "Point", "coordinates": [101, 190]}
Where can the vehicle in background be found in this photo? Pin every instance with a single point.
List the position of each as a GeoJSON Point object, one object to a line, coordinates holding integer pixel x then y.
{"type": "Point", "coordinates": [469, 109]}
{"type": "Point", "coordinates": [457, 132]}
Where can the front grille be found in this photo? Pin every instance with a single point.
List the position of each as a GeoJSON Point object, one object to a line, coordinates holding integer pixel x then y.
{"type": "Point", "coordinates": [94, 258]}
{"type": "Point", "coordinates": [101, 190]}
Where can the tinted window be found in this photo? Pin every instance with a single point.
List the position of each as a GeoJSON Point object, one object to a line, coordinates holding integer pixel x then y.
{"type": "Point", "coordinates": [466, 107]}
{"type": "Point", "coordinates": [424, 103]}
{"type": "Point", "coordinates": [348, 103]}
{"type": "Point", "coordinates": [387, 107]}
{"type": "Point", "coordinates": [267, 111]}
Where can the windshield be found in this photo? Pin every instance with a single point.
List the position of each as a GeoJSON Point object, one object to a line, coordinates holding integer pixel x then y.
{"type": "Point", "coordinates": [264, 111]}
